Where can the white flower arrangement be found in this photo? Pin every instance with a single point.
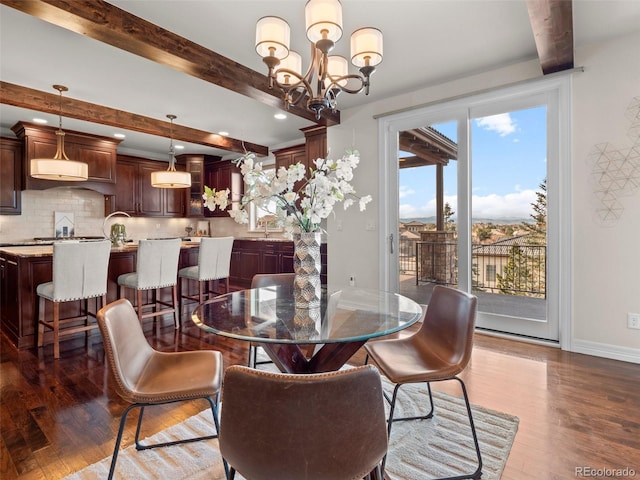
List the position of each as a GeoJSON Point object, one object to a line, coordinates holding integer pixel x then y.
{"type": "Point", "coordinates": [297, 209]}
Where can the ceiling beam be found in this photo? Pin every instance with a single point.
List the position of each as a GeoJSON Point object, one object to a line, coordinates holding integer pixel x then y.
{"type": "Point", "coordinates": [109, 24]}
{"type": "Point", "coordinates": [37, 100]}
{"type": "Point", "coordinates": [552, 24]}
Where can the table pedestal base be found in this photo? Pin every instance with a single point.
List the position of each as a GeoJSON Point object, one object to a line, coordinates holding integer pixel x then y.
{"type": "Point", "coordinates": [289, 358]}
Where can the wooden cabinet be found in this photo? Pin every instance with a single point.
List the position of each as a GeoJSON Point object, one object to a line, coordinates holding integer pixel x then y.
{"type": "Point", "coordinates": [195, 164]}
{"type": "Point", "coordinates": [98, 152]}
{"type": "Point", "coordinates": [315, 142]}
{"type": "Point", "coordinates": [9, 317]}
{"type": "Point", "coordinates": [290, 156]}
{"type": "Point", "coordinates": [315, 146]}
{"type": "Point", "coordinates": [250, 257]}
{"type": "Point", "coordinates": [10, 176]}
{"type": "Point", "coordinates": [222, 175]}
{"type": "Point", "coordinates": [135, 195]}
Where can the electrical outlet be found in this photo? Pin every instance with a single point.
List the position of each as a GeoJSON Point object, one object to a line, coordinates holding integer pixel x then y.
{"type": "Point", "coordinates": [633, 320]}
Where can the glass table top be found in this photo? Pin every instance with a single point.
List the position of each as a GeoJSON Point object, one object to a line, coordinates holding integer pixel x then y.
{"type": "Point", "coordinates": [269, 315]}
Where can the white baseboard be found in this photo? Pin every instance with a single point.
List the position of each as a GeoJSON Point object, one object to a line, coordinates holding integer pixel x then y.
{"type": "Point", "coordinates": [625, 354]}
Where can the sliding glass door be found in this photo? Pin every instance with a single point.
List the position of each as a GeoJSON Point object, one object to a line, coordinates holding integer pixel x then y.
{"type": "Point", "coordinates": [474, 199]}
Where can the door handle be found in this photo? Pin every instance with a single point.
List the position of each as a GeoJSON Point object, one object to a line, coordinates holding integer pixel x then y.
{"type": "Point", "coordinates": [391, 243]}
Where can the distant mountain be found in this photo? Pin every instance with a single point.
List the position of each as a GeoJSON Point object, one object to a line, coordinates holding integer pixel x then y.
{"type": "Point", "coordinates": [495, 221]}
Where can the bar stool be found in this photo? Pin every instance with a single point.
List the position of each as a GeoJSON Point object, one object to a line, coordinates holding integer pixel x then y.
{"type": "Point", "coordinates": [79, 273]}
{"type": "Point", "coordinates": [156, 268]}
{"type": "Point", "coordinates": [214, 261]}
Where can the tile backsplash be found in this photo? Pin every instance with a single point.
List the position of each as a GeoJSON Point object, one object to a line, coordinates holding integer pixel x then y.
{"type": "Point", "coordinates": [87, 206]}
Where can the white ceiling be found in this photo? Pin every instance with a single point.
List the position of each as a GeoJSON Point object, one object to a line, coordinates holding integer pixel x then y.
{"type": "Point", "coordinates": [425, 43]}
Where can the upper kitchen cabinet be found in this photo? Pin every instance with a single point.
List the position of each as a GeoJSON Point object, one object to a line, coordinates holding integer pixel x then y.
{"type": "Point", "coordinates": [290, 156]}
{"type": "Point", "coordinates": [196, 165]}
{"type": "Point", "coordinates": [315, 146]}
{"type": "Point", "coordinates": [315, 142]}
{"type": "Point", "coordinates": [98, 152]}
{"type": "Point", "coordinates": [10, 176]}
{"type": "Point", "coordinates": [222, 175]}
{"type": "Point", "coordinates": [135, 195]}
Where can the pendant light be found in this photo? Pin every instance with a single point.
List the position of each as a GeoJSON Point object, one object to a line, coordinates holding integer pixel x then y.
{"type": "Point", "coordinates": [59, 167]}
{"type": "Point", "coordinates": [171, 178]}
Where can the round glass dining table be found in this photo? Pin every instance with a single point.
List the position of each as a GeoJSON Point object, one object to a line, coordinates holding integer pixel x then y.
{"type": "Point", "coordinates": [302, 340]}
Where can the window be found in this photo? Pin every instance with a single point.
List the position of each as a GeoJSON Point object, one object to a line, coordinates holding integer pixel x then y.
{"type": "Point", "coordinates": [263, 218]}
{"type": "Point", "coordinates": [490, 275]}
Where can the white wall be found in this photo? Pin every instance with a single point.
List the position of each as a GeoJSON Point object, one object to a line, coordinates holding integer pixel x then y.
{"type": "Point", "coordinates": [606, 253]}
{"type": "Point", "coordinates": [606, 259]}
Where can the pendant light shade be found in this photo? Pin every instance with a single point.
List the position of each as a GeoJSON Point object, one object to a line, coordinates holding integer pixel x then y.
{"type": "Point", "coordinates": [171, 178]}
{"type": "Point", "coordinates": [59, 168]}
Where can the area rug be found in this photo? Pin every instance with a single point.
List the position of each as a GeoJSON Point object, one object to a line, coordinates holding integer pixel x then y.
{"type": "Point", "coordinates": [422, 449]}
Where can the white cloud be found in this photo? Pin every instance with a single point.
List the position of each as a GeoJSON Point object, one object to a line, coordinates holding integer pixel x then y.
{"type": "Point", "coordinates": [502, 123]}
{"type": "Point", "coordinates": [493, 206]}
{"type": "Point", "coordinates": [511, 205]}
{"type": "Point", "coordinates": [405, 191]}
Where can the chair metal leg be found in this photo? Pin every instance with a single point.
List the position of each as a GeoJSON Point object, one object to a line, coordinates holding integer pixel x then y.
{"type": "Point", "coordinates": [392, 403]}
{"type": "Point", "coordinates": [140, 446]}
{"type": "Point", "coordinates": [478, 471]}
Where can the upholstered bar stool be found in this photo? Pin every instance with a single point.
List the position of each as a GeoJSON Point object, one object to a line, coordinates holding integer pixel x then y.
{"type": "Point", "coordinates": [79, 273]}
{"type": "Point", "coordinates": [156, 268]}
{"type": "Point", "coordinates": [214, 261]}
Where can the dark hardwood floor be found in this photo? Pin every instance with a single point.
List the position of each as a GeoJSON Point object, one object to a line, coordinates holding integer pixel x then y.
{"type": "Point", "coordinates": [575, 410]}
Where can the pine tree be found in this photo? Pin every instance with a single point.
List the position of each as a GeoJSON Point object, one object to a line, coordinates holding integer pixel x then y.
{"type": "Point", "coordinates": [538, 230]}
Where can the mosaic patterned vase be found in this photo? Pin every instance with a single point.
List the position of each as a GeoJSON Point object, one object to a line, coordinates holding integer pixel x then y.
{"type": "Point", "coordinates": [306, 265]}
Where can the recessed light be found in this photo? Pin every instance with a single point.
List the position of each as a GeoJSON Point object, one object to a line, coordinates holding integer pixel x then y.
{"type": "Point", "coordinates": [179, 147]}
{"type": "Point", "coordinates": [223, 133]}
{"type": "Point", "coordinates": [280, 116]}
{"type": "Point", "coordinates": [119, 135]}
{"type": "Point", "coordinates": [41, 121]}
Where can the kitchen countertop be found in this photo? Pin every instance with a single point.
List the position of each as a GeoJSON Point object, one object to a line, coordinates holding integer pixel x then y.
{"type": "Point", "coordinates": [47, 250]}
{"type": "Point", "coordinates": [40, 248]}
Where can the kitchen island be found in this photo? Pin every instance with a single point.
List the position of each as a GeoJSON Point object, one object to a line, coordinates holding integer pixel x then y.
{"type": "Point", "coordinates": [23, 268]}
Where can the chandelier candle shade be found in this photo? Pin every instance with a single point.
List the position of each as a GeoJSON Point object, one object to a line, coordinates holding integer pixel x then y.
{"type": "Point", "coordinates": [59, 168]}
{"type": "Point", "coordinates": [171, 178]}
{"type": "Point", "coordinates": [329, 74]}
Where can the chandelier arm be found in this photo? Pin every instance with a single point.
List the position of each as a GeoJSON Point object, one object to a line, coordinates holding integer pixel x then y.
{"type": "Point", "coordinates": [301, 95]}
{"type": "Point", "coordinates": [335, 83]}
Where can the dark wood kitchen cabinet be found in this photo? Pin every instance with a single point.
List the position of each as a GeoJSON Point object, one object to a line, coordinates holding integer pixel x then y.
{"type": "Point", "coordinates": [290, 156]}
{"type": "Point", "coordinates": [222, 175]}
{"type": "Point", "coordinates": [10, 176]}
{"type": "Point", "coordinates": [250, 257]}
{"type": "Point", "coordinates": [196, 165]}
{"type": "Point", "coordinates": [98, 152]}
{"type": "Point", "coordinates": [135, 195]}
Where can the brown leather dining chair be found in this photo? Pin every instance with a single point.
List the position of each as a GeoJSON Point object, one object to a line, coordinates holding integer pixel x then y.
{"type": "Point", "coordinates": [323, 426]}
{"type": "Point", "coordinates": [144, 376]}
{"type": "Point", "coordinates": [438, 351]}
{"type": "Point", "coordinates": [265, 280]}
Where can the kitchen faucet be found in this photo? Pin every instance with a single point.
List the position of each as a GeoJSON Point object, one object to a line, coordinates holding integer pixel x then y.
{"type": "Point", "coordinates": [104, 224]}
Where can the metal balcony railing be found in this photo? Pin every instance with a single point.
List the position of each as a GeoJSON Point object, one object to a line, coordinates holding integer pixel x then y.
{"type": "Point", "coordinates": [506, 267]}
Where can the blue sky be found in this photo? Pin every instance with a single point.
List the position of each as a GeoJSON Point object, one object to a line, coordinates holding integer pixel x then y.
{"type": "Point", "coordinates": [509, 163]}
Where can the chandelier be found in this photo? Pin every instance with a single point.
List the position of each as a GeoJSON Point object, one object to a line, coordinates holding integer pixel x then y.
{"type": "Point", "coordinates": [327, 73]}
{"type": "Point", "coordinates": [59, 167]}
{"type": "Point", "coordinates": [171, 178]}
